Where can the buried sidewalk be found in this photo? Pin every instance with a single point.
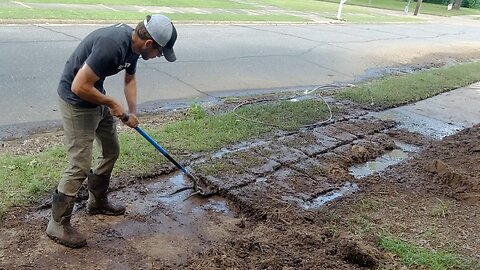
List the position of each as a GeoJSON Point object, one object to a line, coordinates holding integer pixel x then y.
{"type": "Point", "coordinates": [311, 199]}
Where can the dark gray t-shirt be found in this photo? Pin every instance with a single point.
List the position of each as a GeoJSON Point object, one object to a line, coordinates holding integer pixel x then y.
{"type": "Point", "coordinates": [107, 51]}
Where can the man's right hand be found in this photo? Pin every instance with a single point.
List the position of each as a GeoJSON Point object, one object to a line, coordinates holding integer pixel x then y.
{"type": "Point", "coordinates": [130, 120]}
{"type": "Point", "coordinates": [116, 110]}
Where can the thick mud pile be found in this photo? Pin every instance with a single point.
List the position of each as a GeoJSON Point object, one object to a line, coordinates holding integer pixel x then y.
{"type": "Point", "coordinates": [289, 201]}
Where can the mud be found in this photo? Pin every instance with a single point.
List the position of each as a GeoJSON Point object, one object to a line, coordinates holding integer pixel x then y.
{"type": "Point", "coordinates": [274, 208]}
{"type": "Point", "coordinates": [289, 200]}
{"type": "Point", "coordinates": [157, 231]}
{"type": "Point", "coordinates": [357, 252]}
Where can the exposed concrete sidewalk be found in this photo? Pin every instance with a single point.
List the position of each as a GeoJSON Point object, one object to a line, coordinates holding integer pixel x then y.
{"type": "Point", "coordinates": [442, 115]}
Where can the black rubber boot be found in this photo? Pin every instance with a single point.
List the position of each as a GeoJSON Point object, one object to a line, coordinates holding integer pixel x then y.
{"type": "Point", "coordinates": [97, 197]}
{"type": "Point", "coordinates": [59, 228]}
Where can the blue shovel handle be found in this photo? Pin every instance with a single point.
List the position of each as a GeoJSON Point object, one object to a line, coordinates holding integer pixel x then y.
{"type": "Point", "coordinates": [165, 153]}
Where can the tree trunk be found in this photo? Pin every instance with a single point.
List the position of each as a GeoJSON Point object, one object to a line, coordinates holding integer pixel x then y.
{"type": "Point", "coordinates": [417, 8]}
{"type": "Point", "coordinates": [457, 4]}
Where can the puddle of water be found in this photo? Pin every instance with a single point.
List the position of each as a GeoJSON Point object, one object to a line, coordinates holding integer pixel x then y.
{"type": "Point", "coordinates": [171, 227]}
{"type": "Point", "coordinates": [358, 171]}
{"type": "Point", "coordinates": [159, 193]}
{"type": "Point", "coordinates": [379, 72]}
{"type": "Point", "coordinates": [215, 206]}
{"type": "Point", "coordinates": [381, 163]}
{"type": "Point", "coordinates": [417, 123]}
{"type": "Point", "coordinates": [300, 98]}
{"type": "Point", "coordinates": [407, 147]}
{"type": "Point", "coordinates": [321, 200]}
{"type": "Point", "coordinates": [166, 230]}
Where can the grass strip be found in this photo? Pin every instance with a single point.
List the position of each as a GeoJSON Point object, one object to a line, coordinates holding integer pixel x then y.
{"type": "Point", "coordinates": [160, 3]}
{"type": "Point", "coordinates": [9, 13]}
{"type": "Point", "coordinates": [356, 6]}
{"type": "Point", "coordinates": [412, 255]}
{"type": "Point", "coordinates": [125, 16]}
{"type": "Point", "coordinates": [24, 179]}
{"type": "Point", "coordinates": [355, 11]}
{"type": "Point", "coordinates": [392, 91]}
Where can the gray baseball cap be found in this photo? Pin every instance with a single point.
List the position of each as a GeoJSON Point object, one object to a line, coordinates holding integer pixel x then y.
{"type": "Point", "coordinates": [164, 33]}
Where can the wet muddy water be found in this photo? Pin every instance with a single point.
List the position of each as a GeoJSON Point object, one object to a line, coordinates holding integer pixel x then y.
{"type": "Point", "coordinates": [382, 162]}
{"type": "Point", "coordinates": [158, 228]}
{"type": "Point", "coordinates": [170, 227]}
{"type": "Point", "coordinates": [416, 123]}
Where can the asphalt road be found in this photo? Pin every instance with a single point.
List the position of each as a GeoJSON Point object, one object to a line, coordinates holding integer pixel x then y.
{"type": "Point", "coordinates": [213, 60]}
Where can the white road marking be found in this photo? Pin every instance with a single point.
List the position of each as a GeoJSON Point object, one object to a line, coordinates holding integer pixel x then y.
{"type": "Point", "coordinates": [142, 9]}
{"type": "Point", "coordinates": [21, 4]}
{"type": "Point", "coordinates": [102, 5]}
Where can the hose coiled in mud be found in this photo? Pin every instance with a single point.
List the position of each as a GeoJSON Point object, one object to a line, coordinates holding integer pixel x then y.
{"type": "Point", "coordinates": [291, 98]}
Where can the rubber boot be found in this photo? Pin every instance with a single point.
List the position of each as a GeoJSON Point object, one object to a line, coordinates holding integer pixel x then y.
{"type": "Point", "coordinates": [97, 197]}
{"type": "Point", "coordinates": [59, 228]}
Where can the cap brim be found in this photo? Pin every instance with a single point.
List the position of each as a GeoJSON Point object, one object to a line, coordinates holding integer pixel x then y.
{"type": "Point", "coordinates": [169, 54]}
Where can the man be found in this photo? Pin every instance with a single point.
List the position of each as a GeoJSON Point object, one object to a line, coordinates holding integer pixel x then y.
{"type": "Point", "coordinates": [88, 113]}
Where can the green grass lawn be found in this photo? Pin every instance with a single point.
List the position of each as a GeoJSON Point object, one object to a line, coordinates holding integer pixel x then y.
{"type": "Point", "coordinates": [68, 14]}
{"type": "Point", "coordinates": [318, 6]}
{"type": "Point", "coordinates": [392, 91]}
{"type": "Point", "coordinates": [412, 255]}
{"type": "Point", "coordinates": [161, 3]}
{"type": "Point", "coordinates": [350, 13]}
{"type": "Point", "coordinates": [356, 14]}
{"type": "Point", "coordinates": [125, 16]}
{"type": "Point", "coordinates": [399, 5]}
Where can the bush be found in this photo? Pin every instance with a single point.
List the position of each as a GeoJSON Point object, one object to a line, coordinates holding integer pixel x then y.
{"type": "Point", "coordinates": [438, 2]}
{"type": "Point", "coordinates": [465, 3]}
{"type": "Point", "coordinates": [470, 3]}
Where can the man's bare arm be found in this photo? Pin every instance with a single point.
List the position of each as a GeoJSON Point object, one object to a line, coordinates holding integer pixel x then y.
{"type": "Point", "coordinates": [83, 86]}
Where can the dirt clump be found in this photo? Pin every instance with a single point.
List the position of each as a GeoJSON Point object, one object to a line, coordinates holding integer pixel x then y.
{"type": "Point", "coordinates": [460, 186]}
{"type": "Point", "coordinates": [358, 252]}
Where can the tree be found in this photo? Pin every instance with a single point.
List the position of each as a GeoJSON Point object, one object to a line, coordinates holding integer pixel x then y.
{"type": "Point", "coordinates": [457, 4]}
{"type": "Point", "coordinates": [417, 8]}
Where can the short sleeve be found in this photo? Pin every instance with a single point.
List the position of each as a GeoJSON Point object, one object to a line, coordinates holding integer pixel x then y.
{"type": "Point", "coordinates": [105, 57]}
{"type": "Point", "coordinates": [132, 68]}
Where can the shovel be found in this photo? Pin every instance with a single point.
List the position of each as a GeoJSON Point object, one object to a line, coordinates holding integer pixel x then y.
{"type": "Point", "coordinates": [196, 188]}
